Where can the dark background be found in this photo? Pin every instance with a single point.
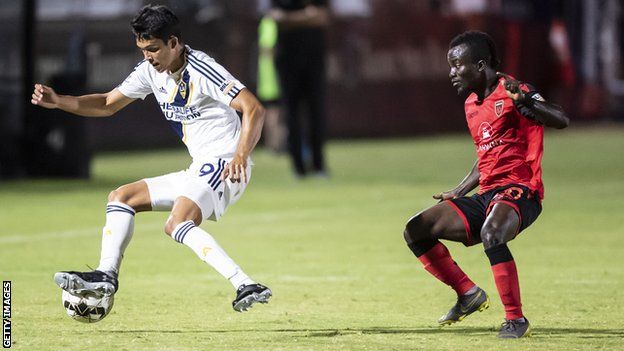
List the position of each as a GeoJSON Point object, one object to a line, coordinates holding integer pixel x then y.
{"type": "Point", "coordinates": [387, 66]}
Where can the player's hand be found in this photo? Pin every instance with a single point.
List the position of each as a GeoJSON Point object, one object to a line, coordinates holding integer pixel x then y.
{"type": "Point", "coordinates": [447, 195]}
{"type": "Point", "coordinates": [236, 170]}
{"type": "Point", "coordinates": [512, 87]}
{"type": "Point", "coordinates": [44, 96]}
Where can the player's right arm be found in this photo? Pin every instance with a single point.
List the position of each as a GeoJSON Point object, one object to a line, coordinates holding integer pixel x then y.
{"type": "Point", "coordinates": [470, 182]}
{"type": "Point", "coordinates": [92, 105]}
{"type": "Point", "coordinates": [533, 106]}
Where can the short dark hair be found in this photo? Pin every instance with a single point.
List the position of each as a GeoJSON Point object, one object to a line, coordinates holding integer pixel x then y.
{"type": "Point", "coordinates": [481, 45]}
{"type": "Point", "coordinates": [155, 22]}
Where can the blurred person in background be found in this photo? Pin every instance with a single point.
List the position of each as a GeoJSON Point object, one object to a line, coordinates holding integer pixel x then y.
{"type": "Point", "coordinates": [200, 99]}
{"type": "Point", "coordinates": [300, 59]}
{"type": "Point", "coordinates": [268, 89]}
{"type": "Point", "coordinates": [506, 119]}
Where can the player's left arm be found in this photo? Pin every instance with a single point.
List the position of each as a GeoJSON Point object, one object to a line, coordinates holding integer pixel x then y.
{"type": "Point", "coordinates": [252, 121]}
{"type": "Point", "coordinates": [532, 105]}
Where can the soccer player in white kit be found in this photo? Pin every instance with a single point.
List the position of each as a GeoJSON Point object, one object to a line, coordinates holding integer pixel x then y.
{"type": "Point", "coordinates": [199, 98]}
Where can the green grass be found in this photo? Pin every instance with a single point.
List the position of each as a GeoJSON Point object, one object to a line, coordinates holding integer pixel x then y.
{"type": "Point", "coordinates": [332, 251]}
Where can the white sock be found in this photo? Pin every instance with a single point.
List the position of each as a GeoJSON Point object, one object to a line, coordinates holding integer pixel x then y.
{"type": "Point", "coordinates": [116, 235]}
{"type": "Point", "coordinates": [209, 251]}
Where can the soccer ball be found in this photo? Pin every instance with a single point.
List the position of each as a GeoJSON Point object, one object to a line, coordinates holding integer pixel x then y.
{"type": "Point", "coordinates": [87, 309]}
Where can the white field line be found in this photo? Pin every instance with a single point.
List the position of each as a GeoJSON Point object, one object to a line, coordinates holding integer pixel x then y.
{"type": "Point", "coordinates": [256, 217]}
{"type": "Point", "coordinates": [15, 239]}
{"type": "Point", "coordinates": [92, 231]}
{"type": "Point", "coordinates": [314, 279]}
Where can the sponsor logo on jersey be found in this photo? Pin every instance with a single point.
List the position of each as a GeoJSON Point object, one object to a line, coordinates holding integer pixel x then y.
{"type": "Point", "coordinates": [486, 130]}
{"type": "Point", "coordinates": [179, 113]}
{"type": "Point", "coordinates": [498, 107]}
{"type": "Point", "coordinates": [490, 145]}
{"type": "Point", "coordinates": [162, 90]}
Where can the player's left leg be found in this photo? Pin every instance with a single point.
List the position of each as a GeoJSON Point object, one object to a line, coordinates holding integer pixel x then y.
{"type": "Point", "coordinates": [182, 226]}
{"type": "Point", "coordinates": [501, 225]}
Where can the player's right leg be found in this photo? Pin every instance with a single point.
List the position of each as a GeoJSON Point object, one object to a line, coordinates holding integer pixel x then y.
{"type": "Point", "coordinates": [123, 203]}
{"type": "Point", "coordinates": [422, 234]}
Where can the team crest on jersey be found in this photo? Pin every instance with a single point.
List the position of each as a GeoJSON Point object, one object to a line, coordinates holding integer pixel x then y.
{"type": "Point", "coordinates": [498, 107]}
{"type": "Point", "coordinates": [182, 89]}
{"type": "Point", "coordinates": [185, 90]}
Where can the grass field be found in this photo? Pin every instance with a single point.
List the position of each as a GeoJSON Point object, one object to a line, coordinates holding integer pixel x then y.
{"type": "Point", "coordinates": [331, 250]}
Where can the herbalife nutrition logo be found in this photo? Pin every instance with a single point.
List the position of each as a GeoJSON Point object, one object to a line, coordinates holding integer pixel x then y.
{"type": "Point", "coordinates": [6, 314]}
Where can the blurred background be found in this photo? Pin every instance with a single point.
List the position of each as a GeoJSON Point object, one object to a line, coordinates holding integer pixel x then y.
{"type": "Point", "coordinates": [386, 67]}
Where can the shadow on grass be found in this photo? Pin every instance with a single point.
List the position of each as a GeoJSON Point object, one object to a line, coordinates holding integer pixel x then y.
{"type": "Point", "coordinates": [583, 333]}
{"type": "Point", "coordinates": [589, 333]}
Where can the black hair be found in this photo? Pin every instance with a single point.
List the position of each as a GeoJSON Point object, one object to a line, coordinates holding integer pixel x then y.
{"type": "Point", "coordinates": [481, 45]}
{"type": "Point", "coordinates": [156, 22]}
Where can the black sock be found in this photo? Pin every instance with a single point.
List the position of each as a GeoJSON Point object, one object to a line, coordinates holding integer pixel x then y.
{"type": "Point", "coordinates": [498, 254]}
{"type": "Point", "coordinates": [421, 247]}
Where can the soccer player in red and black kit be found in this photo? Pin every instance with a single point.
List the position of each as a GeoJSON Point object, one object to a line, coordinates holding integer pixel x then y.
{"type": "Point", "coordinates": [506, 120]}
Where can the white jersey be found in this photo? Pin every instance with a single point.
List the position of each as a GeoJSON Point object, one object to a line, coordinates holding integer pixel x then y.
{"type": "Point", "coordinates": [196, 104]}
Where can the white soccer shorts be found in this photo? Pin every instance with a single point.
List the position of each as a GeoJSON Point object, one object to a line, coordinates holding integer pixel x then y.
{"type": "Point", "coordinates": [201, 183]}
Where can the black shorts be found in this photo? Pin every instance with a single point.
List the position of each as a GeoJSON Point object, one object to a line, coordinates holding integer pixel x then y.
{"type": "Point", "coordinates": [474, 209]}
